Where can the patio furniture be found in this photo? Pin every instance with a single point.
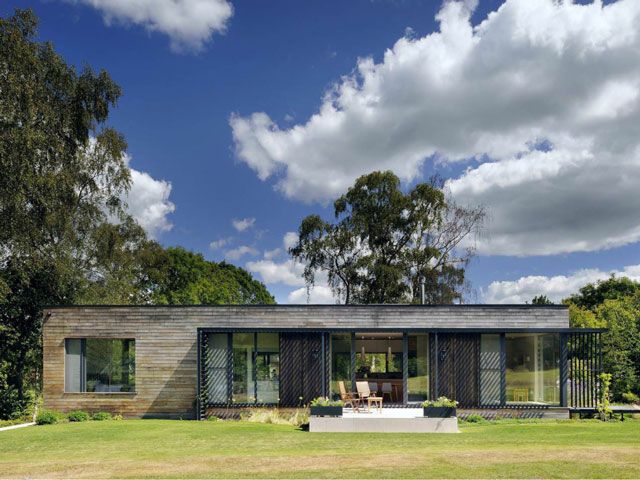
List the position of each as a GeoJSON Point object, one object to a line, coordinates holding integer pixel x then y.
{"type": "Point", "coordinates": [349, 398]}
{"type": "Point", "coordinates": [365, 393]}
{"type": "Point", "coordinates": [388, 390]}
{"type": "Point", "coordinates": [373, 386]}
{"type": "Point", "coordinates": [520, 394]}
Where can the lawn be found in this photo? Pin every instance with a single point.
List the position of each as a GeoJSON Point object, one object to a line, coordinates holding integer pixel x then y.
{"type": "Point", "coordinates": [156, 448]}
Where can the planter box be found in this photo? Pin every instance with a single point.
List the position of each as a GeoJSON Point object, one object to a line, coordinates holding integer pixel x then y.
{"type": "Point", "coordinates": [326, 411]}
{"type": "Point", "coordinates": [439, 412]}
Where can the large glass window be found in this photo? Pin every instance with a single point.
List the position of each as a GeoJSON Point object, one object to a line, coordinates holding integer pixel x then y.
{"type": "Point", "coordinates": [490, 371]}
{"type": "Point", "coordinates": [243, 385]}
{"type": "Point", "coordinates": [533, 368]}
{"type": "Point", "coordinates": [100, 365]}
{"type": "Point", "coordinates": [340, 361]}
{"type": "Point", "coordinates": [268, 367]}
{"type": "Point", "coordinates": [216, 364]}
{"type": "Point", "coordinates": [418, 367]}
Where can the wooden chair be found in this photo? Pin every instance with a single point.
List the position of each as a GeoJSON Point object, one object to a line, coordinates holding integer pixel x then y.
{"type": "Point", "coordinates": [349, 398]}
{"type": "Point", "coordinates": [365, 393]}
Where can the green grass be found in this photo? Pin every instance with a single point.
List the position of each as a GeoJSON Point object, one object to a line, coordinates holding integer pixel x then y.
{"type": "Point", "coordinates": [156, 448]}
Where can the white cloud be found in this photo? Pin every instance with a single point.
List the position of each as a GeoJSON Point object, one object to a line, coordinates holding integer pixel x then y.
{"type": "Point", "coordinates": [148, 202]}
{"type": "Point", "coordinates": [243, 224]}
{"type": "Point", "coordinates": [271, 254]}
{"type": "Point", "coordinates": [220, 243]}
{"type": "Point", "coordinates": [556, 288]}
{"type": "Point", "coordinates": [287, 272]}
{"type": "Point", "coordinates": [533, 71]}
{"type": "Point", "coordinates": [189, 24]}
{"type": "Point", "coordinates": [319, 294]}
{"type": "Point", "coordinates": [289, 240]}
{"type": "Point", "coordinates": [241, 251]}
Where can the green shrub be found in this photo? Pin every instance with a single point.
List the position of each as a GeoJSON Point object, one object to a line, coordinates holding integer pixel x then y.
{"type": "Point", "coordinates": [47, 417]}
{"type": "Point", "coordinates": [99, 416]}
{"type": "Point", "coordinates": [440, 402]}
{"type": "Point", "coordinates": [78, 416]}
{"type": "Point", "coordinates": [276, 417]}
{"type": "Point", "coordinates": [213, 418]}
{"type": "Point", "coordinates": [630, 397]}
{"type": "Point", "coordinates": [604, 405]}
{"type": "Point", "coordinates": [475, 418]}
{"type": "Point", "coordinates": [117, 417]}
{"type": "Point", "coordinates": [325, 402]}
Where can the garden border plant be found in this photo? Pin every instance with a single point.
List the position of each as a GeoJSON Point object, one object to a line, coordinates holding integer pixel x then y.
{"type": "Point", "coordinates": [443, 407]}
{"type": "Point", "coordinates": [325, 407]}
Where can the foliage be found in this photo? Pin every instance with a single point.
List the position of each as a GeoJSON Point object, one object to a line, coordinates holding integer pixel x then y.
{"type": "Point", "coordinates": [621, 344]}
{"type": "Point", "coordinates": [604, 403]}
{"type": "Point", "coordinates": [325, 402]}
{"type": "Point", "coordinates": [190, 279]}
{"type": "Point", "coordinates": [63, 175]}
{"type": "Point", "coordinates": [475, 418]}
{"type": "Point", "coordinates": [593, 295]}
{"type": "Point", "coordinates": [276, 417]}
{"type": "Point", "coordinates": [440, 402]}
{"type": "Point", "coordinates": [541, 300]}
{"type": "Point", "coordinates": [383, 241]}
{"type": "Point", "coordinates": [580, 317]}
{"type": "Point", "coordinates": [117, 417]}
{"type": "Point", "coordinates": [78, 416]}
{"type": "Point", "coordinates": [8, 394]}
{"type": "Point", "coordinates": [48, 417]}
{"type": "Point", "coordinates": [613, 304]}
{"type": "Point", "coordinates": [630, 397]}
{"type": "Point", "coordinates": [100, 416]}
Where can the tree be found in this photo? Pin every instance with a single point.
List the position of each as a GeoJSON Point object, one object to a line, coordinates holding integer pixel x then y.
{"type": "Point", "coordinates": [594, 294]}
{"type": "Point", "coordinates": [57, 185]}
{"type": "Point", "coordinates": [613, 304]}
{"type": "Point", "coordinates": [621, 344]}
{"type": "Point", "coordinates": [383, 241]}
{"type": "Point", "coordinates": [190, 279]}
{"type": "Point", "coordinates": [541, 300]}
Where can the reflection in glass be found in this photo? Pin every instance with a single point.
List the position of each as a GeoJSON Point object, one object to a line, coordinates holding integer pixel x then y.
{"type": "Point", "coordinates": [533, 372]}
{"type": "Point", "coordinates": [340, 362]}
{"type": "Point", "coordinates": [217, 367]}
{"type": "Point", "coordinates": [268, 367]}
{"type": "Point", "coordinates": [418, 367]}
{"type": "Point", "coordinates": [490, 372]}
{"type": "Point", "coordinates": [243, 386]}
{"type": "Point", "coordinates": [110, 365]}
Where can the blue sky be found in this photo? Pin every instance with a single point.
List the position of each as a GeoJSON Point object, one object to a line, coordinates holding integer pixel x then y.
{"type": "Point", "coordinates": [552, 228]}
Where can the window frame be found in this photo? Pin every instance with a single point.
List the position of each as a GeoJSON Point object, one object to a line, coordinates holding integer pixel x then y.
{"type": "Point", "coordinates": [83, 366]}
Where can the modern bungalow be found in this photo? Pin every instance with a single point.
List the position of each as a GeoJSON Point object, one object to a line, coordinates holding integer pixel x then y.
{"type": "Point", "coordinates": [195, 361]}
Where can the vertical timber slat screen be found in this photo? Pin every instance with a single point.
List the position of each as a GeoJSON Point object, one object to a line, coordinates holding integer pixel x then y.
{"type": "Point", "coordinates": [301, 368]}
{"type": "Point", "coordinates": [583, 357]}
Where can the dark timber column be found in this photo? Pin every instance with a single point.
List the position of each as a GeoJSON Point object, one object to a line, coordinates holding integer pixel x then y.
{"type": "Point", "coordinates": [503, 369]}
{"type": "Point", "coordinates": [563, 369]}
{"type": "Point", "coordinates": [353, 362]}
{"type": "Point", "coordinates": [405, 368]}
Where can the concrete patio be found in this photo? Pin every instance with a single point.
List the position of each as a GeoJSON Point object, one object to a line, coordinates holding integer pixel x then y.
{"type": "Point", "coordinates": [389, 420]}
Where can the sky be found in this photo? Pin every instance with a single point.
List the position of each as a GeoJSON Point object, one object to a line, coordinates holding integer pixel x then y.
{"type": "Point", "coordinates": [243, 116]}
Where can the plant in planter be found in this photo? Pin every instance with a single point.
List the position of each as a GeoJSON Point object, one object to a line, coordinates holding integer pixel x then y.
{"type": "Point", "coordinates": [440, 408]}
{"type": "Point", "coordinates": [324, 407]}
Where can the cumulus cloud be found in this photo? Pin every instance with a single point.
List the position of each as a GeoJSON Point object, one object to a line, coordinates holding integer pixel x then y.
{"type": "Point", "coordinates": [319, 294]}
{"type": "Point", "coordinates": [287, 272]}
{"type": "Point", "coordinates": [243, 224]}
{"type": "Point", "coordinates": [542, 98]}
{"type": "Point", "coordinates": [241, 251]}
{"type": "Point", "coordinates": [289, 240]}
{"type": "Point", "coordinates": [220, 243]}
{"type": "Point", "coordinates": [556, 288]}
{"type": "Point", "coordinates": [148, 202]}
{"type": "Point", "coordinates": [189, 24]}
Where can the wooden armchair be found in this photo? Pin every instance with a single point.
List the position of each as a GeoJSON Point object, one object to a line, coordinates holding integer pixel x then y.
{"type": "Point", "coordinates": [349, 398]}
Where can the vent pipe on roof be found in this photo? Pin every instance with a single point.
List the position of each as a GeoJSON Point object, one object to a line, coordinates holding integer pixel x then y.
{"type": "Point", "coordinates": [422, 282]}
